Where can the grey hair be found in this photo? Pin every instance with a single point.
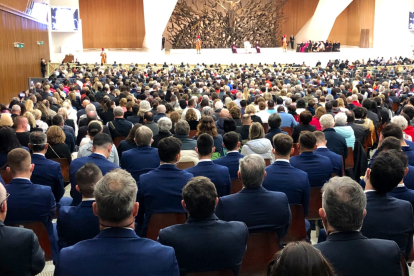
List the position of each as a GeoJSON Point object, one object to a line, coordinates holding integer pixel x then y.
{"type": "Point", "coordinates": [400, 121]}
{"type": "Point", "coordinates": [344, 202]}
{"type": "Point", "coordinates": [164, 124]}
{"type": "Point", "coordinates": [115, 195]}
{"type": "Point", "coordinates": [252, 168]}
{"type": "Point", "coordinates": [118, 111]}
{"type": "Point", "coordinates": [90, 107]}
{"type": "Point", "coordinates": [206, 110]}
{"type": "Point", "coordinates": [182, 127]}
{"type": "Point", "coordinates": [143, 136]}
{"type": "Point", "coordinates": [340, 119]}
{"type": "Point", "coordinates": [16, 107]}
{"type": "Point", "coordinates": [218, 105]}
{"type": "Point", "coordinates": [161, 109]}
{"type": "Point", "coordinates": [144, 105]}
{"type": "Point", "coordinates": [288, 101]}
{"type": "Point", "coordinates": [329, 98]}
{"type": "Point", "coordinates": [327, 121]}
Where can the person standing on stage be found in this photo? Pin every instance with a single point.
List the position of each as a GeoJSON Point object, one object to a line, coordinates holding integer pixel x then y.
{"type": "Point", "coordinates": [163, 43]}
{"type": "Point", "coordinates": [292, 41]}
{"type": "Point", "coordinates": [103, 56]}
{"type": "Point", "coordinates": [234, 48]}
{"type": "Point", "coordinates": [257, 47]}
{"type": "Point", "coordinates": [198, 45]}
{"type": "Point", "coordinates": [284, 44]}
{"type": "Point", "coordinates": [43, 67]}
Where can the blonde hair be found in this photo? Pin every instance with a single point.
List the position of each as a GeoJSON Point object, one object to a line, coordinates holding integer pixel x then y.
{"type": "Point", "coordinates": [123, 102]}
{"type": "Point", "coordinates": [246, 93]}
{"type": "Point", "coordinates": [55, 135]}
{"type": "Point", "coordinates": [37, 114]}
{"type": "Point", "coordinates": [231, 105]}
{"type": "Point", "coordinates": [6, 121]}
{"type": "Point", "coordinates": [29, 105]}
{"type": "Point", "coordinates": [256, 131]}
{"type": "Point", "coordinates": [63, 112]}
{"type": "Point", "coordinates": [250, 109]}
{"type": "Point", "coordinates": [30, 119]}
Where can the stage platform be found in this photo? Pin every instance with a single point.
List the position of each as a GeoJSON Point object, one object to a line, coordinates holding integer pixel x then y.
{"type": "Point", "coordinates": [225, 56]}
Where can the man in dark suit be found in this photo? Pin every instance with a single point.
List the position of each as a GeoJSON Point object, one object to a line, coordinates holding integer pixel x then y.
{"type": "Point", "coordinates": [205, 243]}
{"type": "Point", "coordinates": [336, 142]}
{"type": "Point", "coordinates": [20, 124]}
{"type": "Point", "coordinates": [46, 172]}
{"type": "Point", "coordinates": [401, 191]}
{"type": "Point", "coordinates": [393, 130]}
{"type": "Point", "coordinates": [119, 127]}
{"type": "Point", "coordinates": [160, 113]}
{"type": "Point", "coordinates": [318, 167]}
{"type": "Point", "coordinates": [382, 110]}
{"type": "Point", "coordinates": [261, 210]}
{"type": "Point", "coordinates": [165, 196]}
{"type": "Point", "coordinates": [78, 223]}
{"type": "Point", "coordinates": [346, 248]}
{"type": "Point", "coordinates": [182, 131]}
{"type": "Point", "coordinates": [281, 176]}
{"type": "Point", "coordinates": [29, 202]}
{"type": "Point", "coordinates": [274, 123]}
{"type": "Point", "coordinates": [321, 149]}
{"type": "Point", "coordinates": [359, 131]}
{"type": "Point", "coordinates": [142, 158]}
{"type": "Point", "coordinates": [385, 174]}
{"type": "Point", "coordinates": [20, 252]}
{"type": "Point", "coordinates": [218, 174]}
{"type": "Point", "coordinates": [116, 207]}
{"type": "Point", "coordinates": [134, 118]}
{"type": "Point", "coordinates": [244, 129]}
{"type": "Point", "coordinates": [102, 145]}
{"type": "Point", "coordinates": [231, 160]}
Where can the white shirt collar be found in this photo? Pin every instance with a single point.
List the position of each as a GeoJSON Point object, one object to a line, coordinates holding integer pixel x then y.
{"type": "Point", "coordinates": [231, 151]}
{"type": "Point", "coordinates": [38, 153]}
{"type": "Point", "coordinates": [88, 199]}
{"type": "Point", "coordinates": [100, 154]}
{"type": "Point", "coordinates": [322, 147]}
{"type": "Point", "coordinates": [22, 178]}
{"type": "Point", "coordinates": [400, 185]}
{"type": "Point", "coordinates": [282, 160]}
{"type": "Point", "coordinates": [369, 191]}
{"type": "Point", "coordinates": [204, 160]}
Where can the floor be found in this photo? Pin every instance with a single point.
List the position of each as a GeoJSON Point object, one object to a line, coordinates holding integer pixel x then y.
{"type": "Point", "coordinates": [224, 56]}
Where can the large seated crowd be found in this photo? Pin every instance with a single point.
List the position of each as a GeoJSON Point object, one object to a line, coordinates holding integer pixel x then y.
{"type": "Point", "coordinates": [182, 169]}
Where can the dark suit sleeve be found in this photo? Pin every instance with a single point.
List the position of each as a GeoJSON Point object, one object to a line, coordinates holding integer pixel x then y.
{"type": "Point", "coordinates": [219, 210]}
{"type": "Point", "coordinates": [52, 206]}
{"type": "Point", "coordinates": [38, 256]}
{"type": "Point", "coordinates": [59, 189]}
{"type": "Point", "coordinates": [175, 271]}
{"type": "Point", "coordinates": [410, 234]}
{"type": "Point", "coordinates": [306, 197]}
{"type": "Point", "coordinates": [285, 230]}
{"type": "Point", "coordinates": [295, 135]}
{"type": "Point", "coordinates": [228, 189]}
{"type": "Point", "coordinates": [345, 150]}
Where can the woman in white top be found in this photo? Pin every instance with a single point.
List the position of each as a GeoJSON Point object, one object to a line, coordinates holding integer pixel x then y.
{"type": "Point", "coordinates": [39, 123]}
{"type": "Point", "coordinates": [258, 144]}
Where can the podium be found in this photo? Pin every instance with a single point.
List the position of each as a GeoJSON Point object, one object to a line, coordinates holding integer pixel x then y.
{"type": "Point", "coordinates": [69, 58]}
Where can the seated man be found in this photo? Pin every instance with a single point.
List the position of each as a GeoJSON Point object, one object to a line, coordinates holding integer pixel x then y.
{"type": "Point", "coordinates": [205, 243]}
{"type": "Point", "coordinates": [346, 249]}
{"type": "Point", "coordinates": [281, 176]}
{"type": "Point", "coordinates": [321, 149]}
{"type": "Point", "coordinates": [116, 208]}
{"type": "Point", "coordinates": [318, 167]}
{"type": "Point", "coordinates": [29, 202]}
{"type": "Point", "coordinates": [218, 174]}
{"type": "Point", "coordinates": [102, 146]}
{"type": "Point", "coordinates": [336, 142]}
{"type": "Point", "coordinates": [244, 129]}
{"type": "Point", "coordinates": [401, 191]}
{"type": "Point", "coordinates": [231, 160]}
{"type": "Point", "coordinates": [46, 172]}
{"type": "Point", "coordinates": [149, 122]}
{"type": "Point", "coordinates": [119, 127]}
{"type": "Point", "coordinates": [393, 130]}
{"type": "Point", "coordinates": [20, 124]}
{"type": "Point", "coordinates": [164, 197]}
{"type": "Point", "coordinates": [385, 174]}
{"type": "Point", "coordinates": [182, 131]}
{"type": "Point", "coordinates": [274, 123]}
{"type": "Point", "coordinates": [143, 158]}
{"type": "Point", "coordinates": [20, 252]}
{"type": "Point", "coordinates": [260, 209]}
{"type": "Point", "coordinates": [78, 223]}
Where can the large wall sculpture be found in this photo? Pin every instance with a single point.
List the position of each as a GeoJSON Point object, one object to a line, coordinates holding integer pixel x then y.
{"type": "Point", "coordinates": [220, 23]}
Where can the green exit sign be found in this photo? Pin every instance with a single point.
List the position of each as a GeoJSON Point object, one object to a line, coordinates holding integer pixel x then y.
{"type": "Point", "coordinates": [40, 43]}
{"type": "Point", "coordinates": [18, 45]}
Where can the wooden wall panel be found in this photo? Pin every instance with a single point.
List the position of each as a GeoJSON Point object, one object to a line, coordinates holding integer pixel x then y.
{"type": "Point", "coordinates": [361, 14]}
{"type": "Point", "coordinates": [108, 24]}
{"type": "Point", "coordinates": [17, 65]}
{"type": "Point", "coordinates": [339, 30]}
{"type": "Point", "coordinates": [19, 5]}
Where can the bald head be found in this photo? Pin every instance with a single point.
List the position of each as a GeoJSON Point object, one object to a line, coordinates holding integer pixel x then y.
{"type": "Point", "coordinates": [161, 109]}
{"type": "Point", "coordinates": [224, 113]}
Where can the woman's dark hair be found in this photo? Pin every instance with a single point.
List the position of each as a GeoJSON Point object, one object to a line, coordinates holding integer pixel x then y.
{"type": "Point", "coordinates": [204, 102]}
{"type": "Point", "coordinates": [300, 103]}
{"type": "Point", "coordinates": [305, 117]}
{"type": "Point", "coordinates": [183, 104]}
{"type": "Point", "coordinates": [299, 258]}
{"type": "Point", "coordinates": [292, 110]}
{"type": "Point", "coordinates": [168, 108]}
{"type": "Point", "coordinates": [229, 125]}
{"type": "Point", "coordinates": [8, 140]}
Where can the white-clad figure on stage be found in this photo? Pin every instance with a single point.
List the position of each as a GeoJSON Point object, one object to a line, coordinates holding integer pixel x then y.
{"type": "Point", "coordinates": [257, 47]}
{"type": "Point", "coordinates": [248, 47]}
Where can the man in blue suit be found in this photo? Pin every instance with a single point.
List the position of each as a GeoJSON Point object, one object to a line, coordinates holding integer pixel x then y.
{"type": "Point", "coordinates": [336, 142]}
{"type": "Point", "coordinates": [401, 191]}
{"type": "Point", "coordinates": [318, 167]}
{"type": "Point", "coordinates": [218, 174]}
{"type": "Point", "coordinates": [27, 201]}
{"type": "Point", "coordinates": [281, 176]}
{"type": "Point", "coordinates": [78, 223]}
{"type": "Point", "coordinates": [46, 172]}
{"type": "Point", "coordinates": [205, 243]}
{"type": "Point", "coordinates": [159, 191]}
{"type": "Point", "coordinates": [321, 149]}
{"type": "Point", "coordinates": [102, 145]}
{"type": "Point", "coordinates": [393, 130]}
{"type": "Point", "coordinates": [143, 158]}
{"type": "Point", "coordinates": [261, 210]}
{"type": "Point", "coordinates": [387, 217]}
{"type": "Point", "coordinates": [348, 250]}
{"type": "Point", "coordinates": [231, 160]}
{"type": "Point", "coordinates": [117, 250]}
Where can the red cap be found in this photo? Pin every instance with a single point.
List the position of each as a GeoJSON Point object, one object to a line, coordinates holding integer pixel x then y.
{"type": "Point", "coordinates": [102, 49]}
{"type": "Point", "coordinates": [198, 36]}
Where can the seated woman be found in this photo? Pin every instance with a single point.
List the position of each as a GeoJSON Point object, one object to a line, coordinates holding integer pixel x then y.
{"type": "Point", "coordinates": [129, 142]}
{"type": "Point", "coordinates": [57, 147]}
{"type": "Point", "coordinates": [318, 114]}
{"type": "Point", "coordinates": [305, 119]}
{"type": "Point", "coordinates": [345, 131]}
{"type": "Point", "coordinates": [164, 127]}
{"type": "Point", "coordinates": [191, 118]}
{"type": "Point", "coordinates": [251, 110]}
{"type": "Point", "coordinates": [208, 126]}
{"type": "Point", "coordinates": [257, 143]}
{"type": "Point", "coordinates": [8, 142]}
{"type": "Point", "coordinates": [6, 120]}
{"type": "Point", "coordinates": [311, 107]}
{"type": "Point", "coordinates": [39, 123]}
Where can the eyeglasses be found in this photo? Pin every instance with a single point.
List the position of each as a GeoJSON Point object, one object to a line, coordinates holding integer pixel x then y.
{"type": "Point", "coordinates": [7, 196]}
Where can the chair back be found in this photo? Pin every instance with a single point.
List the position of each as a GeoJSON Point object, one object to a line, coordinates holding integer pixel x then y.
{"type": "Point", "coordinates": [268, 162]}
{"type": "Point", "coordinates": [162, 220]}
{"type": "Point", "coordinates": [236, 186]}
{"type": "Point", "coordinates": [297, 230]}
{"type": "Point", "coordinates": [192, 133]}
{"type": "Point", "coordinates": [6, 176]}
{"type": "Point", "coordinates": [212, 273]}
{"type": "Point", "coordinates": [289, 130]}
{"type": "Point", "coordinates": [315, 203]}
{"type": "Point", "coordinates": [117, 140]}
{"type": "Point", "coordinates": [40, 230]}
{"type": "Point", "coordinates": [64, 166]}
{"type": "Point", "coordinates": [349, 161]}
{"type": "Point", "coordinates": [184, 165]}
{"type": "Point", "coordinates": [296, 149]}
{"type": "Point", "coordinates": [261, 248]}
{"type": "Point", "coordinates": [265, 127]}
